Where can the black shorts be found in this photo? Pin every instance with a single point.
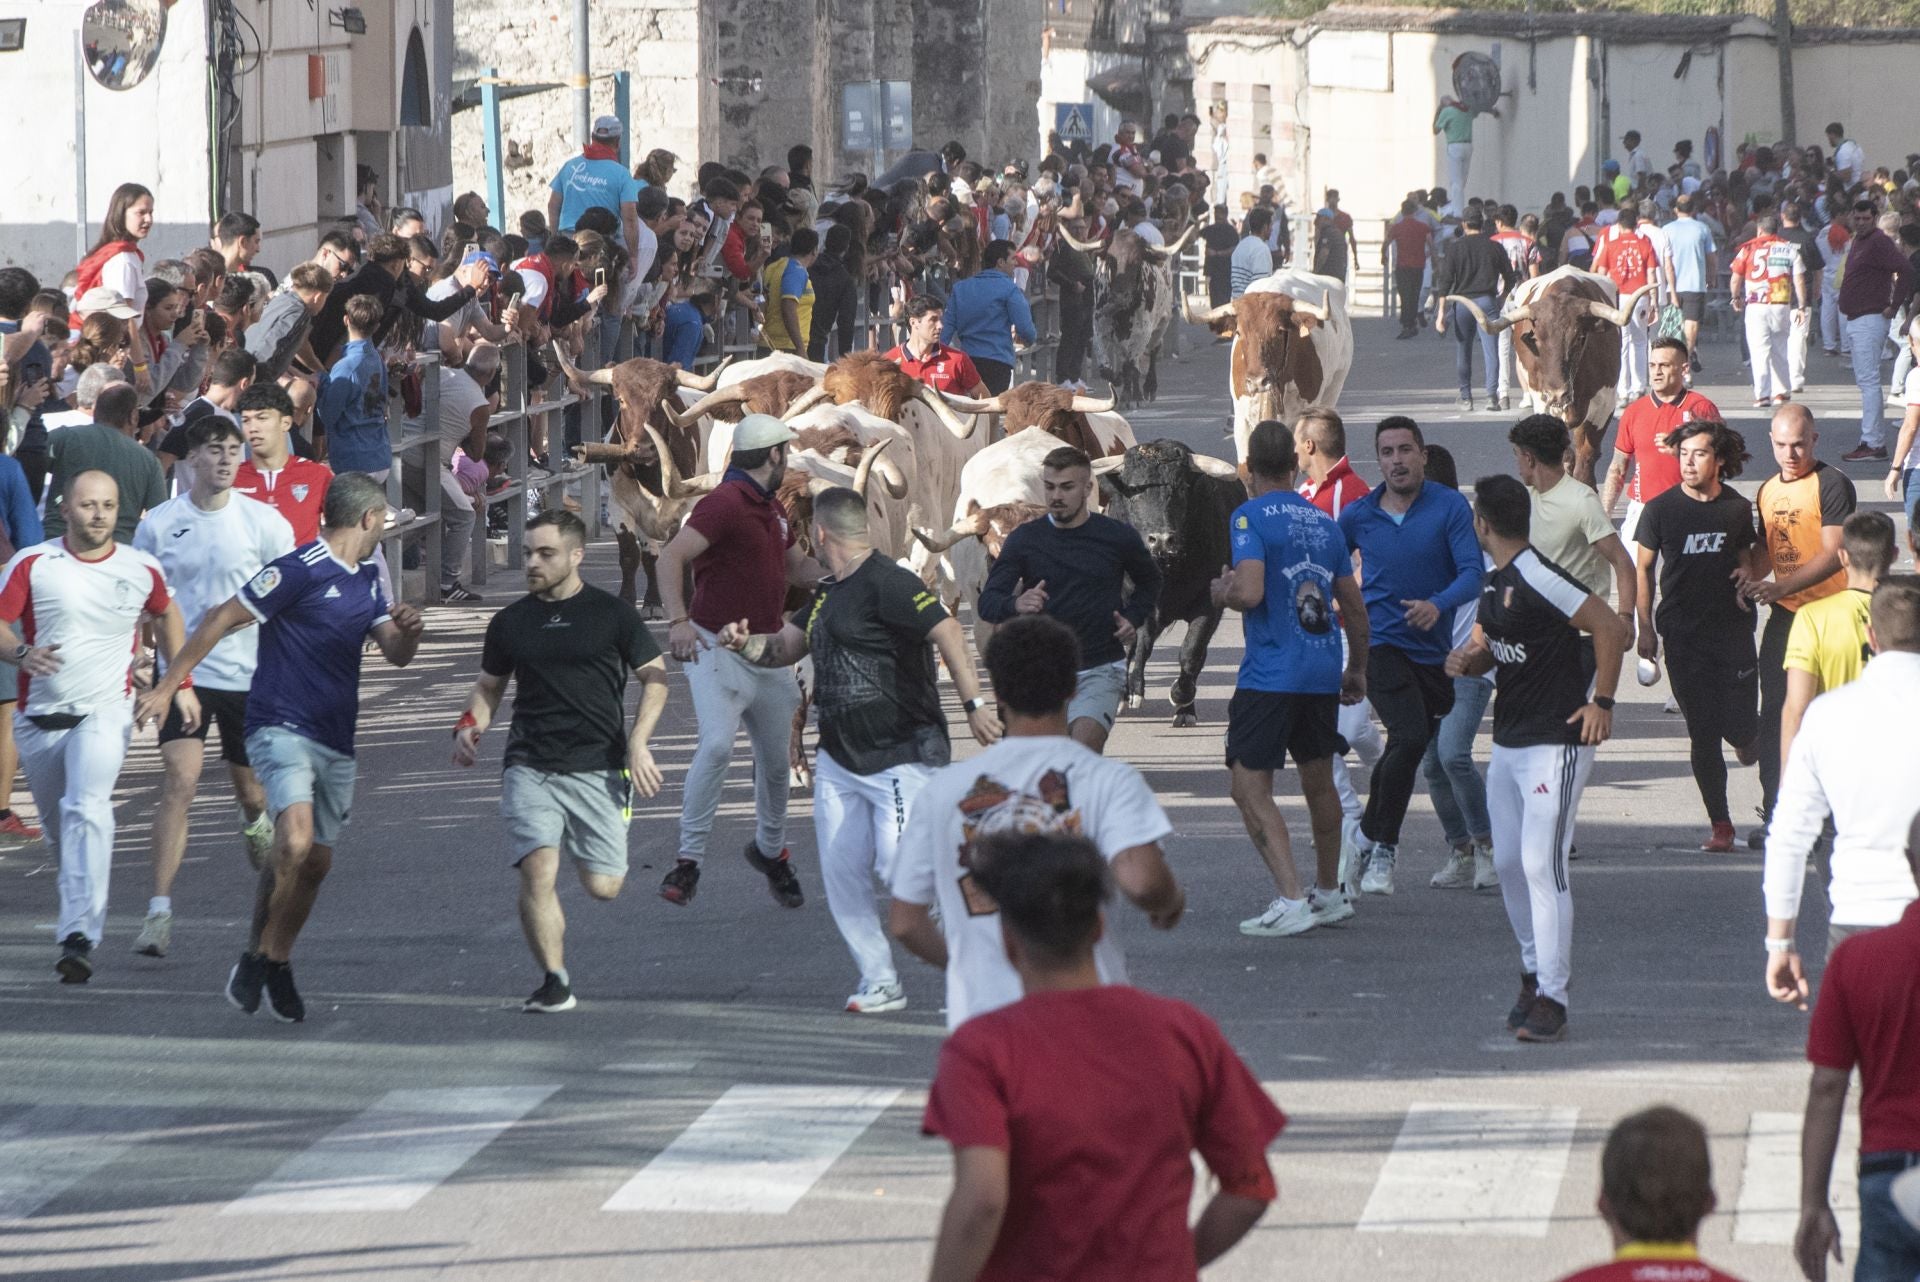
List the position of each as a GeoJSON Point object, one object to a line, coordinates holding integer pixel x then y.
{"type": "Point", "coordinates": [224, 708]}
{"type": "Point", "coordinates": [1263, 726]}
{"type": "Point", "coordinates": [1693, 304]}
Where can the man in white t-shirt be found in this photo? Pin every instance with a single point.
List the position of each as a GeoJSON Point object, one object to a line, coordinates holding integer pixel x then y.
{"type": "Point", "coordinates": [208, 542]}
{"type": "Point", "coordinates": [1847, 156]}
{"type": "Point", "coordinates": [1037, 779]}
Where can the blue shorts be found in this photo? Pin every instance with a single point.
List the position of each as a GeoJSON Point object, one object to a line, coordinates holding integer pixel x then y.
{"type": "Point", "coordinates": [295, 770]}
{"type": "Point", "coordinates": [9, 682]}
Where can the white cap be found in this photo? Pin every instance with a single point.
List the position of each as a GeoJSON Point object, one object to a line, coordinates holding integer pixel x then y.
{"type": "Point", "coordinates": [102, 298]}
{"type": "Point", "coordinates": [758, 431]}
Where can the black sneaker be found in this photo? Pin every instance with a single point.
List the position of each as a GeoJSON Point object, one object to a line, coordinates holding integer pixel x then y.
{"type": "Point", "coordinates": [457, 593]}
{"type": "Point", "coordinates": [550, 998]}
{"type": "Point", "coordinates": [282, 999]}
{"type": "Point", "coordinates": [76, 963]}
{"type": "Point", "coordinates": [248, 977]}
{"type": "Point", "coordinates": [779, 874]}
{"type": "Point", "coordinates": [1523, 1004]}
{"type": "Point", "coordinates": [679, 885]}
{"type": "Point", "coordinates": [1546, 1022]}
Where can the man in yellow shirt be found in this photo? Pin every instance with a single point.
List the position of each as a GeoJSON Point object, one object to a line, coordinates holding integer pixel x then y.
{"type": "Point", "coordinates": [1828, 644]}
{"type": "Point", "coordinates": [789, 321]}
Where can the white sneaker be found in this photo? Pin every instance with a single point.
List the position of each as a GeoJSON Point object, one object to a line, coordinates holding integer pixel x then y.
{"type": "Point", "coordinates": [156, 936]}
{"type": "Point", "coordinates": [1379, 876]}
{"type": "Point", "coordinates": [1283, 917]}
{"type": "Point", "coordinates": [1672, 707]}
{"type": "Point", "coordinates": [877, 999]}
{"type": "Point", "coordinates": [1484, 876]}
{"type": "Point", "coordinates": [1329, 907]}
{"type": "Point", "coordinates": [259, 835]}
{"type": "Point", "coordinates": [1457, 872]}
{"type": "Point", "coordinates": [1353, 856]}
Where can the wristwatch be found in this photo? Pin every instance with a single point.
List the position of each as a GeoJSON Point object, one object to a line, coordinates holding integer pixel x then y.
{"type": "Point", "coordinates": [20, 651]}
{"type": "Point", "coordinates": [1602, 702]}
{"type": "Point", "coordinates": [973, 705]}
{"type": "Point", "coordinates": [1779, 945]}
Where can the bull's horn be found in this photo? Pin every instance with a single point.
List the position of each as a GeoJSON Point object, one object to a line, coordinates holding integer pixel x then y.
{"type": "Point", "coordinates": [961, 427]}
{"type": "Point", "coordinates": [1319, 311]}
{"type": "Point", "coordinates": [892, 477]}
{"type": "Point", "coordinates": [973, 405]}
{"type": "Point", "coordinates": [702, 382]}
{"type": "Point", "coordinates": [1207, 317]}
{"type": "Point", "coordinates": [804, 402]}
{"type": "Point", "coordinates": [864, 473]}
{"type": "Point", "coordinates": [1094, 404]}
{"type": "Point", "coordinates": [1491, 326]}
{"type": "Point", "coordinates": [938, 543]}
{"type": "Point", "coordinates": [1167, 252]}
{"type": "Point", "coordinates": [669, 470]}
{"type": "Point", "coordinates": [735, 395]}
{"type": "Point", "coordinates": [1622, 314]}
{"type": "Point", "coordinates": [1084, 246]}
{"type": "Point", "coordinates": [1109, 463]}
{"type": "Point", "coordinates": [598, 377]}
{"type": "Point", "coordinates": [1216, 467]}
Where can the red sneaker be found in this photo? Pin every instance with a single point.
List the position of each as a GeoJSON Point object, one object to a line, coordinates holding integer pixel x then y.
{"type": "Point", "coordinates": [18, 829]}
{"type": "Point", "coordinates": [1721, 842]}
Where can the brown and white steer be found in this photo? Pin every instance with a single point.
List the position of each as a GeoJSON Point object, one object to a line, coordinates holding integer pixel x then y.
{"type": "Point", "coordinates": [1292, 348]}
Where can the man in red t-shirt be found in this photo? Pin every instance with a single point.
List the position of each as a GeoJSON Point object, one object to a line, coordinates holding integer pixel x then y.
{"type": "Point", "coordinates": [1656, 1186]}
{"type": "Point", "coordinates": [1073, 1113]}
{"type": "Point", "coordinates": [1868, 1016]}
{"type": "Point", "coordinates": [1409, 236]}
{"type": "Point", "coordinates": [740, 546]}
{"type": "Point", "coordinates": [1628, 258]}
{"type": "Point", "coordinates": [1640, 442]}
{"type": "Point", "coordinates": [925, 357]}
{"type": "Point", "coordinates": [295, 487]}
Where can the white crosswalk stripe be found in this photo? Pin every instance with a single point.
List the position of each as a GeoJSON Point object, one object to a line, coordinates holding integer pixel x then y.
{"type": "Point", "coordinates": [1466, 1169]}
{"type": "Point", "coordinates": [1768, 1211]}
{"type": "Point", "coordinates": [50, 1148]}
{"type": "Point", "coordinates": [394, 1154]}
{"type": "Point", "coordinates": [757, 1150]}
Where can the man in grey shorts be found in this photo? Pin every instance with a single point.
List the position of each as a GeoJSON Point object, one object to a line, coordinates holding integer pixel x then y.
{"type": "Point", "coordinates": [571, 764]}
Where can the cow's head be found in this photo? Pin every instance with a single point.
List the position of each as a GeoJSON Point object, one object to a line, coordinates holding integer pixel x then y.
{"type": "Point", "coordinates": [1121, 259]}
{"type": "Point", "coordinates": [1156, 488]}
{"type": "Point", "coordinates": [885, 391]}
{"type": "Point", "coordinates": [1053, 409]}
{"type": "Point", "coordinates": [1273, 347]}
{"type": "Point", "coordinates": [770, 393]}
{"type": "Point", "coordinates": [991, 525]}
{"type": "Point", "coordinates": [642, 388]}
{"type": "Point", "coordinates": [809, 471]}
{"type": "Point", "coordinates": [1567, 337]}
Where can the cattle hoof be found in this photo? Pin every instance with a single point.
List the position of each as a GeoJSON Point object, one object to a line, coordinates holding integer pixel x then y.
{"type": "Point", "coordinates": [1184, 719]}
{"type": "Point", "coordinates": [1181, 696]}
{"type": "Point", "coordinates": [1134, 701]}
{"type": "Point", "coordinates": [652, 613]}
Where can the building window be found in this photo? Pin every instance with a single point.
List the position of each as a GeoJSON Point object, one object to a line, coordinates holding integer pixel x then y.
{"type": "Point", "coordinates": [416, 101]}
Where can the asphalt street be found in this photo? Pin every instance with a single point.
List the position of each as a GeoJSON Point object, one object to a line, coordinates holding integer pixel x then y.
{"type": "Point", "coordinates": [709, 1113]}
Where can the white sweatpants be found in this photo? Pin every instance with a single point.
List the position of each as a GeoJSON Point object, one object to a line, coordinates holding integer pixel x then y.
{"type": "Point", "coordinates": [71, 774]}
{"type": "Point", "coordinates": [857, 822]}
{"type": "Point", "coordinates": [1506, 367]}
{"type": "Point", "coordinates": [1768, 328]}
{"type": "Point", "coordinates": [1797, 340]}
{"type": "Point", "coordinates": [1532, 797]}
{"type": "Point", "coordinates": [1459, 160]}
{"type": "Point", "coordinates": [1868, 334]}
{"type": "Point", "coordinates": [728, 692]}
{"type": "Point", "coordinates": [1635, 336]}
{"type": "Point", "coordinates": [1363, 736]}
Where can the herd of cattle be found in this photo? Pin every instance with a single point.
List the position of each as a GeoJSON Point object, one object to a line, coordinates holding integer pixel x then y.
{"type": "Point", "coordinates": [947, 478]}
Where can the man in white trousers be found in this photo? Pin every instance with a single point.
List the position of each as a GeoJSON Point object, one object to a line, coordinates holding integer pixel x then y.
{"type": "Point", "coordinates": [1545, 728]}
{"type": "Point", "coordinates": [871, 628]}
{"type": "Point", "coordinates": [1767, 282]}
{"type": "Point", "coordinates": [80, 601]}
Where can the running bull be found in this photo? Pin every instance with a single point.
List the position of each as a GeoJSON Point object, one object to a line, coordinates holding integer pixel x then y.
{"type": "Point", "coordinates": [1292, 347]}
{"type": "Point", "coordinates": [1134, 308]}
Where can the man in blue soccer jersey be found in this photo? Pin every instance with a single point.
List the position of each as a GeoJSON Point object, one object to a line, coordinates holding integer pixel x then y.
{"type": "Point", "coordinates": [1290, 566]}
{"type": "Point", "coordinates": [316, 605]}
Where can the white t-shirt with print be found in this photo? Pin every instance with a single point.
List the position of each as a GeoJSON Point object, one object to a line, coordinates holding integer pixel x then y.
{"type": "Point", "coordinates": [1039, 783]}
{"type": "Point", "coordinates": [1912, 398]}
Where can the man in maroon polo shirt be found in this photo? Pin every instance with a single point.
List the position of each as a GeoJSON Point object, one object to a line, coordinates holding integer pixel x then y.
{"type": "Point", "coordinates": [740, 546]}
{"type": "Point", "coordinates": [1876, 281]}
{"type": "Point", "coordinates": [1868, 1016]}
{"type": "Point", "coordinates": [925, 357]}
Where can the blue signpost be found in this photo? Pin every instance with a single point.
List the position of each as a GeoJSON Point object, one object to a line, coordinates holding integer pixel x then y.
{"type": "Point", "coordinates": [1073, 121]}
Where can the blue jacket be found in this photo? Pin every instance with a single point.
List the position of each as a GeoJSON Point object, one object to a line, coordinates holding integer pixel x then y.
{"type": "Point", "coordinates": [17, 512]}
{"type": "Point", "coordinates": [1430, 554]}
{"type": "Point", "coordinates": [980, 311]}
{"type": "Point", "coordinates": [352, 410]}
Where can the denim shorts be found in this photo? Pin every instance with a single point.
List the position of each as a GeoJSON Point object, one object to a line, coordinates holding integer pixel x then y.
{"type": "Point", "coordinates": [1098, 693]}
{"type": "Point", "coordinates": [295, 770]}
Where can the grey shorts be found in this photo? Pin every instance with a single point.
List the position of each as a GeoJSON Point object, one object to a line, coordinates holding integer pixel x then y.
{"type": "Point", "coordinates": [9, 682]}
{"type": "Point", "coordinates": [1098, 694]}
{"type": "Point", "coordinates": [583, 815]}
{"type": "Point", "coordinates": [294, 770]}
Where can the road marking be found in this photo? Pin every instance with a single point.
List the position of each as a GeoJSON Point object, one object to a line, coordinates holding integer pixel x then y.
{"type": "Point", "coordinates": [1768, 1211]}
{"type": "Point", "coordinates": [757, 1150]}
{"type": "Point", "coordinates": [1464, 1169]}
{"type": "Point", "coordinates": [661, 1066]}
{"type": "Point", "coordinates": [392, 1155]}
{"type": "Point", "coordinates": [52, 1147]}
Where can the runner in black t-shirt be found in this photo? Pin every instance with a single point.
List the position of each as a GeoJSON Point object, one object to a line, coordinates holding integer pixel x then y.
{"type": "Point", "coordinates": [882, 732]}
{"type": "Point", "coordinates": [571, 765]}
{"type": "Point", "coordinates": [1545, 729]}
{"type": "Point", "coordinates": [1700, 533]}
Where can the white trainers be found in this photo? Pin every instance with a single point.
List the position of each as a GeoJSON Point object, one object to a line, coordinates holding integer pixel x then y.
{"type": "Point", "coordinates": [1672, 706]}
{"type": "Point", "coordinates": [1329, 907]}
{"type": "Point", "coordinates": [156, 936]}
{"type": "Point", "coordinates": [877, 999]}
{"type": "Point", "coordinates": [1379, 876]}
{"type": "Point", "coordinates": [1457, 872]}
{"type": "Point", "coordinates": [1353, 856]}
{"type": "Point", "coordinates": [259, 835]}
{"type": "Point", "coordinates": [1484, 876]}
{"type": "Point", "coordinates": [1283, 917]}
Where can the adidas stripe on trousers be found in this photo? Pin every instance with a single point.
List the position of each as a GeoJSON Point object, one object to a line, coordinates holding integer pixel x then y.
{"type": "Point", "coordinates": [1533, 794]}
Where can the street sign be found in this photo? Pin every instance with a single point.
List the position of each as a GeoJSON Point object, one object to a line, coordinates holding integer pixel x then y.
{"type": "Point", "coordinates": [897, 99]}
{"type": "Point", "coordinates": [1073, 121]}
{"type": "Point", "coordinates": [860, 116]}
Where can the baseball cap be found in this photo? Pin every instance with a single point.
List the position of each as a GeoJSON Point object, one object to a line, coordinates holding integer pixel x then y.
{"type": "Point", "coordinates": [481, 256]}
{"type": "Point", "coordinates": [758, 431]}
{"type": "Point", "coordinates": [608, 127]}
{"type": "Point", "coordinates": [101, 298]}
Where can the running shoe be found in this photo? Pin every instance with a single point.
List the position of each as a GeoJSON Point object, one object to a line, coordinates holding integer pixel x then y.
{"type": "Point", "coordinates": [680, 883]}
{"type": "Point", "coordinates": [457, 593]}
{"type": "Point", "coordinates": [282, 998]}
{"type": "Point", "coordinates": [1721, 842]}
{"type": "Point", "coordinates": [1457, 872]}
{"type": "Point", "coordinates": [553, 996]}
{"type": "Point", "coordinates": [259, 835]}
{"type": "Point", "coordinates": [779, 874]}
{"type": "Point", "coordinates": [1283, 917]}
{"type": "Point", "coordinates": [1757, 838]}
{"type": "Point", "coordinates": [1546, 1022]}
{"type": "Point", "coordinates": [1353, 856]}
{"type": "Point", "coordinates": [1466, 403]}
{"type": "Point", "coordinates": [1330, 907]}
{"type": "Point", "coordinates": [877, 999]}
{"type": "Point", "coordinates": [1523, 1004]}
{"type": "Point", "coordinates": [76, 959]}
{"type": "Point", "coordinates": [155, 936]}
{"type": "Point", "coordinates": [1672, 706]}
{"type": "Point", "coordinates": [1379, 875]}
{"type": "Point", "coordinates": [246, 980]}
{"type": "Point", "coordinates": [14, 828]}
{"type": "Point", "coordinates": [1485, 876]}
{"type": "Point", "coordinates": [1862, 452]}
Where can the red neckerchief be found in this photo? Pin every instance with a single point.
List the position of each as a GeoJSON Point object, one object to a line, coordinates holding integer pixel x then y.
{"type": "Point", "coordinates": [87, 274]}
{"type": "Point", "coordinates": [601, 151]}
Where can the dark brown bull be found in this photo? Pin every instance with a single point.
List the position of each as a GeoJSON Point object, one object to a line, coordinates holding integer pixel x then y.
{"type": "Point", "coordinates": [1566, 341]}
{"type": "Point", "coordinates": [1055, 409]}
{"type": "Point", "coordinates": [771, 393]}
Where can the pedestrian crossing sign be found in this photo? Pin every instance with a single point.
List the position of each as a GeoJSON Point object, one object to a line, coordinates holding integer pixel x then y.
{"type": "Point", "coordinates": [1073, 121]}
